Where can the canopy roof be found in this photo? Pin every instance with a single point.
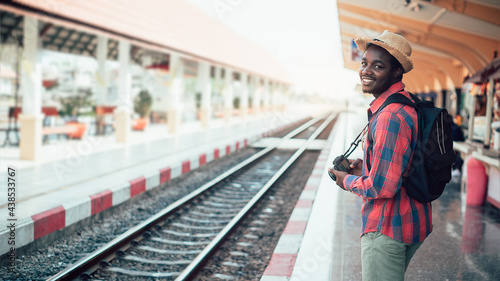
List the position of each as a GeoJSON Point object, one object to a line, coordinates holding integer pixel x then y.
{"type": "Point", "coordinates": [450, 38]}
{"type": "Point", "coordinates": [491, 71]}
{"type": "Point", "coordinates": [170, 26]}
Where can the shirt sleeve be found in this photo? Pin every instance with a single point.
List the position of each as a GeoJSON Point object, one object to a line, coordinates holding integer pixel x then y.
{"type": "Point", "coordinates": [391, 154]}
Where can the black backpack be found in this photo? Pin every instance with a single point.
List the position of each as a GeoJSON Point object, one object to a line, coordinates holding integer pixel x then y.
{"type": "Point", "coordinates": [433, 156]}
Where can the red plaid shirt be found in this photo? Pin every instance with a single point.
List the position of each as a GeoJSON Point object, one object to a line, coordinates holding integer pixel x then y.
{"type": "Point", "coordinates": [386, 206]}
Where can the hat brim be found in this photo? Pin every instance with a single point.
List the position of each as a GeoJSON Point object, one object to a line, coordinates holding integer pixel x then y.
{"type": "Point", "coordinates": [403, 59]}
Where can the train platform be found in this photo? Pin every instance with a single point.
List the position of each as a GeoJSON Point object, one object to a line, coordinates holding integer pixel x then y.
{"type": "Point", "coordinates": [322, 238]}
{"type": "Point", "coordinates": [77, 179]}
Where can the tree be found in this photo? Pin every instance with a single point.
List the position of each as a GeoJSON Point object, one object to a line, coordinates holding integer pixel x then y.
{"type": "Point", "coordinates": [142, 103]}
{"type": "Point", "coordinates": [71, 105]}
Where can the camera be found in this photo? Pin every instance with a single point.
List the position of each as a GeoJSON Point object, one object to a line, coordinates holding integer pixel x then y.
{"type": "Point", "coordinates": [340, 164]}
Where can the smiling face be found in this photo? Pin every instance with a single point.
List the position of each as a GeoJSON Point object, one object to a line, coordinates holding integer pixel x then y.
{"type": "Point", "coordinates": [378, 71]}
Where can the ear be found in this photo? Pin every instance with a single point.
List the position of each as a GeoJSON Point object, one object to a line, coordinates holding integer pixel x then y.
{"type": "Point", "coordinates": [397, 72]}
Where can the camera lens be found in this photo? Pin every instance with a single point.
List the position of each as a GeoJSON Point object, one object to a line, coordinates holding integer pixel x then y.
{"type": "Point", "coordinates": [332, 175]}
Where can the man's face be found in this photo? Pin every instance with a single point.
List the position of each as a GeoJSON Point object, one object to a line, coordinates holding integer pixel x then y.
{"type": "Point", "coordinates": [375, 72]}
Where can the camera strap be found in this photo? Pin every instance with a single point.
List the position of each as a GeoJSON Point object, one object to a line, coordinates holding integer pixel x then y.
{"type": "Point", "coordinates": [356, 142]}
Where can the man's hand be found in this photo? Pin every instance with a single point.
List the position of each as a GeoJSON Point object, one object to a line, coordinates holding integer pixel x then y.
{"type": "Point", "coordinates": [357, 167]}
{"type": "Point", "coordinates": [340, 177]}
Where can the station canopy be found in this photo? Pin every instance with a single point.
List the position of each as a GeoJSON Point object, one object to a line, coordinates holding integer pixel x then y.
{"type": "Point", "coordinates": [450, 38]}
{"type": "Point", "coordinates": [164, 26]}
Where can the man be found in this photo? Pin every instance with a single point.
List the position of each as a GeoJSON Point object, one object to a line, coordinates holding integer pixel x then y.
{"type": "Point", "coordinates": [393, 224]}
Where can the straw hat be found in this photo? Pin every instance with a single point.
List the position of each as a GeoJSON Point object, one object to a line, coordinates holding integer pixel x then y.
{"type": "Point", "coordinates": [393, 43]}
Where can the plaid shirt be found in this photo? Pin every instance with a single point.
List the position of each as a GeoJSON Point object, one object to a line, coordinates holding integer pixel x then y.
{"type": "Point", "coordinates": [386, 206]}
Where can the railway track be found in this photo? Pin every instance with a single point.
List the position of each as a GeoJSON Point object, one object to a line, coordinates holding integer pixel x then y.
{"type": "Point", "coordinates": [177, 241]}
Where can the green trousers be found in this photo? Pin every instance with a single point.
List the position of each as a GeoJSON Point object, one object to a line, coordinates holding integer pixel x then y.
{"type": "Point", "coordinates": [385, 259]}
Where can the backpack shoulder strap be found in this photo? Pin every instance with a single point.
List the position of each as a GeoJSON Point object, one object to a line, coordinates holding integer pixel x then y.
{"type": "Point", "coordinates": [398, 98]}
{"type": "Point", "coordinates": [394, 98]}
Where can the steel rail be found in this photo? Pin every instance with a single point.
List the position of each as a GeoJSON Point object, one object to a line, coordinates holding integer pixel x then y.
{"type": "Point", "coordinates": [192, 269]}
{"type": "Point", "coordinates": [74, 271]}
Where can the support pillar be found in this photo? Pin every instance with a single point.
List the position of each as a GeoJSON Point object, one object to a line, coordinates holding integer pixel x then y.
{"type": "Point", "coordinates": [281, 90]}
{"type": "Point", "coordinates": [271, 97]}
{"type": "Point", "coordinates": [458, 91]}
{"type": "Point", "coordinates": [31, 119]}
{"type": "Point", "coordinates": [244, 96]}
{"type": "Point", "coordinates": [472, 113]}
{"type": "Point", "coordinates": [205, 87]}
{"type": "Point", "coordinates": [228, 94]}
{"type": "Point", "coordinates": [286, 97]}
{"type": "Point", "coordinates": [150, 82]}
{"type": "Point", "coordinates": [489, 113]}
{"type": "Point", "coordinates": [102, 82]}
{"type": "Point", "coordinates": [444, 94]}
{"type": "Point", "coordinates": [275, 96]}
{"type": "Point", "coordinates": [218, 88]}
{"type": "Point", "coordinates": [124, 108]}
{"type": "Point", "coordinates": [257, 89]}
{"type": "Point", "coordinates": [175, 92]}
{"type": "Point", "coordinates": [266, 95]}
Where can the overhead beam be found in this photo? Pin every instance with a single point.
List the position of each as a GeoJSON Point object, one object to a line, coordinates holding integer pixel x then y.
{"type": "Point", "coordinates": [76, 42]}
{"type": "Point", "coordinates": [489, 13]}
{"type": "Point", "coordinates": [451, 67]}
{"type": "Point", "coordinates": [480, 47]}
{"type": "Point", "coordinates": [63, 44]}
{"type": "Point", "coordinates": [452, 70]}
{"type": "Point", "coordinates": [414, 87]}
{"type": "Point", "coordinates": [87, 44]}
{"type": "Point", "coordinates": [484, 45]}
{"type": "Point", "coordinates": [45, 28]}
{"type": "Point", "coordinates": [459, 51]}
{"type": "Point", "coordinates": [419, 80]}
{"type": "Point", "coordinates": [411, 86]}
{"type": "Point", "coordinates": [433, 71]}
{"type": "Point", "coordinates": [440, 75]}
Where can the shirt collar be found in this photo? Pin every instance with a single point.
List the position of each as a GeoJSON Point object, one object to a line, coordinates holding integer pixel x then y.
{"type": "Point", "coordinates": [377, 103]}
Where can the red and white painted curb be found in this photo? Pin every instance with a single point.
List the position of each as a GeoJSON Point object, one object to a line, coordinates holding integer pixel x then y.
{"type": "Point", "coordinates": [49, 221]}
{"type": "Point", "coordinates": [285, 253]}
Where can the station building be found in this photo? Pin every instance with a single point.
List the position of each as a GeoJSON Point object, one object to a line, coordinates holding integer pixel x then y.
{"type": "Point", "coordinates": [93, 59]}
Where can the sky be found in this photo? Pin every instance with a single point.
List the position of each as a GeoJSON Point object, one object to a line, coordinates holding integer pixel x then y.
{"type": "Point", "coordinates": [303, 35]}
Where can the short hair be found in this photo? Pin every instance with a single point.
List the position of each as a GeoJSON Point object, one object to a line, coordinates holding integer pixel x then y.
{"type": "Point", "coordinates": [395, 64]}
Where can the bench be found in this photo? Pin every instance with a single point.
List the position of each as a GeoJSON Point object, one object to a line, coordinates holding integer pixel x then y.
{"type": "Point", "coordinates": [64, 130]}
{"type": "Point", "coordinates": [69, 130]}
{"type": "Point", "coordinates": [12, 126]}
